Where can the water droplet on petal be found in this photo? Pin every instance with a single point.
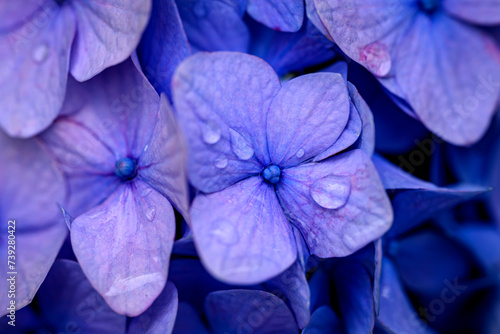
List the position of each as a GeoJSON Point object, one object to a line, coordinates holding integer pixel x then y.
{"type": "Point", "coordinates": [376, 58]}
{"type": "Point", "coordinates": [226, 233]}
{"type": "Point", "coordinates": [331, 192]}
{"type": "Point", "coordinates": [240, 146]}
{"type": "Point", "coordinates": [40, 53]}
{"type": "Point", "coordinates": [200, 10]}
{"type": "Point", "coordinates": [146, 148]}
{"type": "Point", "coordinates": [210, 132]}
{"type": "Point", "coordinates": [151, 213]}
{"type": "Point", "coordinates": [221, 162]}
{"type": "Point", "coordinates": [300, 153]}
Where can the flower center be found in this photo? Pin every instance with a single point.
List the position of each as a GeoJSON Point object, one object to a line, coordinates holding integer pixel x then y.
{"type": "Point", "coordinates": [428, 6]}
{"type": "Point", "coordinates": [126, 169]}
{"type": "Point", "coordinates": [271, 174]}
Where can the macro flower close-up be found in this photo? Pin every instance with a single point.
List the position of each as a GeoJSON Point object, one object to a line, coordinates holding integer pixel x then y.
{"type": "Point", "coordinates": [250, 166]}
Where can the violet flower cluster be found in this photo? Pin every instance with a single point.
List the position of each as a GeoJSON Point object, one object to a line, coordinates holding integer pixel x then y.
{"type": "Point", "coordinates": [250, 166]}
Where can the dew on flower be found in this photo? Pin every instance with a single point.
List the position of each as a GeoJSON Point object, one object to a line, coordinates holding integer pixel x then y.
{"type": "Point", "coordinates": [240, 146]}
{"type": "Point", "coordinates": [221, 162]}
{"type": "Point", "coordinates": [40, 53]}
{"type": "Point", "coordinates": [331, 192]}
{"type": "Point", "coordinates": [211, 132]}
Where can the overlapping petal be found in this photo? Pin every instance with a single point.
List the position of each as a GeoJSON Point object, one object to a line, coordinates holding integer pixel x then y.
{"type": "Point", "coordinates": [282, 15]}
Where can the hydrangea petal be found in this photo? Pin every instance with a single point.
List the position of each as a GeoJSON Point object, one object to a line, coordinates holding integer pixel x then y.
{"type": "Point", "coordinates": [159, 318]}
{"type": "Point", "coordinates": [483, 12]}
{"type": "Point", "coordinates": [292, 287]}
{"type": "Point", "coordinates": [124, 246]}
{"type": "Point", "coordinates": [67, 301]}
{"type": "Point", "coordinates": [14, 13]}
{"type": "Point", "coordinates": [30, 187]}
{"type": "Point", "coordinates": [207, 32]}
{"type": "Point", "coordinates": [163, 46]}
{"type": "Point", "coordinates": [308, 115]}
{"type": "Point", "coordinates": [108, 32]}
{"type": "Point", "coordinates": [357, 216]}
{"type": "Point", "coordinates": [312, 15]}
{"type": "Point", "coordinates": [415, 200]}
{"type": "Point", "coordinates": [217, 111]}
{"type": "Point", "coordinates": [241, 233]}
{"type": "Point", "coordinates": [366, 31]}
{"type": "Point", "coordinates": [162, 163]}
{"type": "Point", "coordinates": [324, 321]}
{"type": "Point", "coordinates": [282, 15]}
{"type": "Point", "coordinates": [259, 312]}
{"type": "Point", "coordinates": [454, 98]}
{"type": "Point", "coordinates": [396, 312]}
{"type": "Point", "coordinates": [29, 65]}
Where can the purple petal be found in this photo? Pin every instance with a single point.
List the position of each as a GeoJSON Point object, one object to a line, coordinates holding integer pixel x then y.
{"type": "Point", "coordinates": [164, 160]}
{"type": "Point", "coordinates": [292, 287]}
{"type": "Point", "coordinates": [282, 15]}
{"type": "Point", "coordinates": [124, 246]}
{"type": "Point", "coordinates": [68, 302]}
{"type": "Point", "coordinates": [367, 140]}
{"type": "Point", "coordinates": [159, 318]}
{"type": "Point", "coordinates": [415, 200]}
{"type": "Point", "coordinates": [455, 99]}
{"type": "Point", "coordinates": [312, 15]}
{"type": "Point", "coordinates": [339, 204]}
{"type": "Point", "coordinates": [163, 46]}
{"type": "Point", "coordinates": [307, 116]}
{"type": "Point", "coordinates": [107, 33]}
{"type": "Point", "coordinates": [35, 58]}
{"type": "Point", "coordinates": [208, 32]}
{"type": "Point", "coordinates": [396, 312]}
{"type": "Point", "coordinates": [367, 31]}
{"type": "Point", "coordinates": [246, 311]}
{"type": "Point", "coordinates": [30, 187]}
{"type": "Point", "coordinates": [324, 321]}
{"type": "Point", "coordinates": [224, 116]}
{"type": "Point", "coordinates": [15, 13]}
{"type": "Point", "coordinates": [485, 12]}
{"type": "Point", "coordinates": [242, 234]}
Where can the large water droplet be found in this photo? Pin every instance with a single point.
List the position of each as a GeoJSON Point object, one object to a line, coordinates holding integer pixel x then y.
{"type": "Point", "coordinates": [210, 132]}
{"type": "Point", "coordinates": [226, 233]}
{"type": "Point", "coordinates": [300, 153]}
{"type": "Point", "coordinates": [221, 162]}
{"type": "Point", "coordinates": [376, 58]}
{"type": "Point", "coordinates": [331, 192]}
{"type": "Point", "coordinates": [240, 146]}
{"type": "Point", "coordinates": [151, 213]}
{"type": "Point", "coordinates": [40, 53]}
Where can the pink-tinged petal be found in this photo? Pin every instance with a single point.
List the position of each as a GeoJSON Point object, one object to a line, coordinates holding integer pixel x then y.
{"type": "Point", "coordinates": [367, 30]}
{"type": "Point", "coordinates": [33, 72]}
{"type": "Point", "coordinates": [396, 312]}
{"type": "Point", "coordinates": [68, 302]}
{"type": "Point", "coordinates": [208, 32]}
{"type": "Point", "coordinates": [247, 311]}
{"type": "Point", "coordinates": [241, 233]}
{"type": "Point", "coordinates": [124, 246]}
{"type": "Point", "coordinates": [164, 45]}
{"type": "Point", "coordinates": [307, 116]}
{"type": "Point", "coordinates": [454, 98]}
{"type": "Point", "coordinates": [224, 116]}
{"type": "Point", "coordinates": [484, 12]}
{"type": "Point", "coordinates": [282, 15]}
{"type": "Point", "coordinates": [163, 163]}
{"type": "Point", "coordinates": [159, 318]}
{"type": "Point", "coordinates": [108, 31]}
{"type": "Point", "coordinates": [339, 204]}
{"type": "Point", "coordinates": [31, 186]}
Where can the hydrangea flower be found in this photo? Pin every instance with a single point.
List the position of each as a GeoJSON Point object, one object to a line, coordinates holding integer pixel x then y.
{"type": "Point", "coordinates": [267, 158]}
{"type": "Point", "coordinates": [430, 54]}
{"type": "Point", "coordinates": [67, 303]}
{"type": "Point", "coordinates": [124, 164]}
{"type": "Point", "coordinates": [42, 40]}
{"type": "Point", "coordinates": [31, 186]}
